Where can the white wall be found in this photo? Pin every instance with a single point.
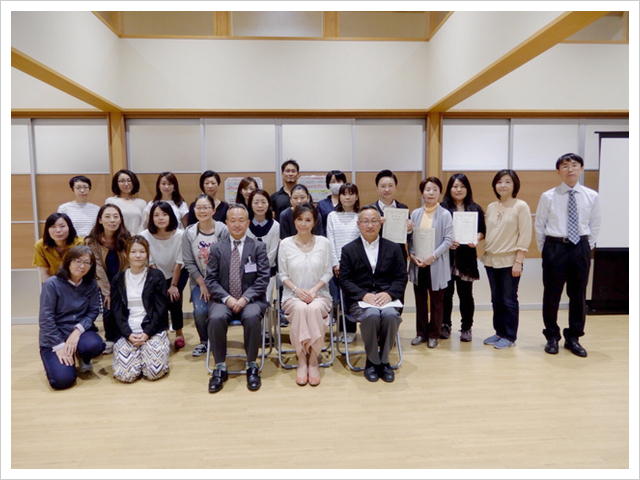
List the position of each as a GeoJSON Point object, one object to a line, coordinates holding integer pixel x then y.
{"type": "Point", "coordinates": [28, 92]}
{"type": "Point", "coordinates": [565, 77]}
{"type": "Point", "coordinates": [75, 44]}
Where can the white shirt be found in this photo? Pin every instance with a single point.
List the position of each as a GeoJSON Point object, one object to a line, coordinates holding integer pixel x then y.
{"type": "Point", "coordinates": [135, 284]}
{"type": "Point", "coordinates": [305, 269]}
{"type": "Point", "coordinates": [342, 228]}
{"type": "Point", "coordinates": [132, 211]}
{"type": "Point", "coordinates": [179, 212]}
{"type": "Point", "coordinates": [383, 206]}
{"type": "Point", "coordinates": [371, 249]}
{"type": "Point", "coordinates": [551, 215]}
{"type": "Point", "coordinates": [82, 215]}
{"type": "Point", "coordinates": [165, 254]}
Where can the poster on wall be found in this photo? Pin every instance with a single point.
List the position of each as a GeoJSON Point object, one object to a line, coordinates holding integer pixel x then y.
{"type": "Point", "coordinates": [231, 187]}
{"type": "Point", "coordinates": [317, 186]}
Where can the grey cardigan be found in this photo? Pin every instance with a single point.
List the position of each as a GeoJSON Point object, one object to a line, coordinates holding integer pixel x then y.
{"type": "Point", "coordinates": [440, 268]}
{"type": "Point", "coordinates": [190, 249]}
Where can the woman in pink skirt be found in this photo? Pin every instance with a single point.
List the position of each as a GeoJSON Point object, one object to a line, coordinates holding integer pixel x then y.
{"type": "Point", "coordinates": [304, 262]}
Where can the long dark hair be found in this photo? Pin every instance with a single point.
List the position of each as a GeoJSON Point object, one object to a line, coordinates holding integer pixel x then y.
{"type": "Point", "coordinates": [97, 232]}
{"type": "Point", "coordinates": [246, 181]}
{"type": "Point", "coordinates": [166, 208]}
{"type": "Point", "coordinates": [269, 214]}
{"type": "Point", "coordinates": [53, 218]}
{"type": "Point", "coordinates": [175, 196]}
{"type": "Point", "coordinates": [75, 252]}
{"type": "Point", "coordinates": [353, 190]}
{"type": "Point", "coordinates": [514, 178]}
{"type": "Point", "coordinates": [448, 202]}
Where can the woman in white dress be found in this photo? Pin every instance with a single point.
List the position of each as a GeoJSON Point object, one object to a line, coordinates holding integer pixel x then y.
{"type": "Point", "coordinates": [125, 185]}
{"type": "Point", "coordinates": [304, 263]}
{"type": "Point", "coordinates": [168, 190]}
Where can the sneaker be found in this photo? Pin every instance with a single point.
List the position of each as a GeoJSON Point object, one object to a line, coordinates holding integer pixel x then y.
{"type": "Point", "coordinates": [493, 339]}
{"type": "Point", "coordinates": [84, 367]}
{"type": "Point", "coordinates": [417, 341]}
{"type": "Point", "coordinates": [283, 321]}
{"type": "Point", "coordinates": [432, 343]}
{"type": "Point", "coordinates": [199, 350]}
{"type": "Point", "coordinates": [108, 348]}
{"type": "Point", "coordinates": [503, 344]}
{"type": "Point", "coordinates": [350, 337]}
{"type": "Point", "coordinates": [465, 335]}
{"type": "Point", "coordinates": [445, 331]}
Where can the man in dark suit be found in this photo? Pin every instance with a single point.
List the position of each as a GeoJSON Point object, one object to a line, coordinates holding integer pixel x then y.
{"type": "Point", "coordinates": [237, 278]}
{"type": "Point", "coordinates": [386, 186]}
{"type": "Point", "coordinates": [373, 270]}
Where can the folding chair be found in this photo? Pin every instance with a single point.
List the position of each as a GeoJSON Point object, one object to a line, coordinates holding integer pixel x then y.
{"type": "Point", "coordinates": [282, 351]}
{"type": "Point", "coordinates": [347, 353]}
{"type": "Point", "coordinates": [266, 325]}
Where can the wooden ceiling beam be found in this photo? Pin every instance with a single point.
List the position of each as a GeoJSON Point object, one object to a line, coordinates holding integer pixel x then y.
{"type": "Point", "coordinates": [561, 28]}
{"type": "Point", "coordinates": [38, 70]}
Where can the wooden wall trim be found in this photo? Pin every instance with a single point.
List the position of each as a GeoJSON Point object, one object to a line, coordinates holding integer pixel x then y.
{"type": "Point", "coordinates": [434, 145]}
{"type": "Point", "coordinates": [536, 113]}
{"type": "Point", "coordinates": [558, 30]}
{"type": "Point", "coordinates": [55, 113]}
{"type": "Point", "coordinates": [38, 70]}
{"type": "Point", "coordinates": [117, 142]}
{"type": "Point", "coordinates": [222, 22]}
{"type": "Point", "coordinates": [330, 24]}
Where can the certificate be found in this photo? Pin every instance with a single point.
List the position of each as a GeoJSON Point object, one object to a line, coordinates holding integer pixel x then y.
{"type": "Point", "coordinates": [424, 242]}
{"type": "Point", "coordinates": [465, 227]}
{"type": "Point", "coordinates": [392, 303]}
{"type": "Point", "coordinates": [395, 224]}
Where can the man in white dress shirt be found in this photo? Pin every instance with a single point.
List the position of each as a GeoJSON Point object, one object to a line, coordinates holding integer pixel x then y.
{"type": "Point", "coordinates": [567, 224]}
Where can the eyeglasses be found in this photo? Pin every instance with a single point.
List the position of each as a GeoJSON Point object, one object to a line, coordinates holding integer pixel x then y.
{"type": "Point", "coordinates": [570, 166]}
{"type": "Point", "coordinates": [82, 187]}
{"type": "Point", "coordinates": [366, 223]}
{"type": "Point", "coordinates": [124, 181]}
{"type": "Point", "coordinates": [78, 262]}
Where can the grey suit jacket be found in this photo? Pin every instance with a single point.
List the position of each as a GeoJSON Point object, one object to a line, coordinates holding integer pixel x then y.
{"type": "Point", "coordinates": [254, 284]}
{"type": "Point", "coordinates": [440, 268]}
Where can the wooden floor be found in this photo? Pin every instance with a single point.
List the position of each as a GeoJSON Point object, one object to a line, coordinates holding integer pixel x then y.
{"type": "Point", "coordinates": [459, 406]}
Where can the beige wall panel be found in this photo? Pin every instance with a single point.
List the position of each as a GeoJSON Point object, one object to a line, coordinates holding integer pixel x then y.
{"type": "Point", "coordinates": [591, 179]}
{"type": "Point", "coordinates": [22, 245]}
{"type": "Point", "coordinates": [407, 192]}
{"type": "Point", "coordinates": [53, 190]}
{"type": "Point", "coordinates": [21, 203]}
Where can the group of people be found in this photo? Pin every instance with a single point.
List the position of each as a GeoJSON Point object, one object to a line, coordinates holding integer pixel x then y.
{"type": "Point", "coordinates": [130, 260]}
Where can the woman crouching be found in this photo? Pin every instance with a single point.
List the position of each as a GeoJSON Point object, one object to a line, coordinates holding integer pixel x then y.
{"type": "Point", "coordinates": [139, 306]}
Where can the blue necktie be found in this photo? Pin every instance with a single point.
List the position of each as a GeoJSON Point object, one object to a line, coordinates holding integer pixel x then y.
{"type": "Point", "coordinates": [573, 231]}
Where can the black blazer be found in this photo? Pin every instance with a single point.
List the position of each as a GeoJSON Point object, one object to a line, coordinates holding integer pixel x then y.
{"type": "Point", "coordinates": [254, 284]}
{"type": "Point", "coordinates": [154, 299]}
{"type": "Point", "coordinates": [357, 279]}
{"type": "Point", "coordinates": [403, 246]}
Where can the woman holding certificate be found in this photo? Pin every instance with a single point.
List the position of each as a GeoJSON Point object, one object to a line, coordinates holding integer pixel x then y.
{"type": "Point", "coordinates": [507, 240]}
{"type": "Point", "coordinates": [468, 230]}
{"type": "Point", "coordinates": [429, 269]}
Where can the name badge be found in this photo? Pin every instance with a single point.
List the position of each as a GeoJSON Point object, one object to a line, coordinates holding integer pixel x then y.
{"type": "Point", "coordinates": [250, 268]}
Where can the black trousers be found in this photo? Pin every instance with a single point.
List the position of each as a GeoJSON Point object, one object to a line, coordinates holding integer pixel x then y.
{"type": "Point", "coordinates": [219, 318]}
{"type": "Point", "coordinates": [425, 298]}
{"type": "Point", "coordinates": [565, 263]}
{"type": "Point", "coordinates": [467, 304]}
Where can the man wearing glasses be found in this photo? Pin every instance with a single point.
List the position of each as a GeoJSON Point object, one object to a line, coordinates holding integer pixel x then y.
{"type": "Point", "coordinates": [567, 224]}
{"type": "Point", "coordinates": [373, 273]}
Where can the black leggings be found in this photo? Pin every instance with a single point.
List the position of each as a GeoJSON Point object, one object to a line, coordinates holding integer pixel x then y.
{"type": "Point", "coordinates": [175, 307]}
{"type": "Point", "coordinates": [467, 304]}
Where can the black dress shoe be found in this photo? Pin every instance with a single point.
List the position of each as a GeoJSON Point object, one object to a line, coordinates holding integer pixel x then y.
{"type": "Point", "coordinates": [217, 380]}
{"type": "Point", "coordinates": [551, 346]}
{"type": "Point", "coordinates": [574, 347]}
{"type": "Point", "coordinates": [386, 373]}
{"type": "Point", "coordinates": [371, 373]}
{"type": "Point", "coordinates": [253, 379]}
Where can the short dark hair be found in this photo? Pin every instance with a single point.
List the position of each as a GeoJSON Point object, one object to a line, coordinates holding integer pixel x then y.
{"type": "Point", "coordinates": [237, 205]}
{"type": "Point", "coordinates": [291, 161]}
{"type": "Point", "coordinates": [259, 191]}
{"type": "Point", "coordinates": [386, 173]}
{"type": "Point", "coordinates": [79, 178]}
{"type": "Point", "coordinates": [115, 188]}
{"type": "Point", "coordinates": [166, 208]}
{"type": "Point", "coordinates": [131, 241]}
{"type": "Point", "coordinates": [448, 201]}
{"type": "Point", "coordinates": [244, 183]}
{"type": "Point", "coordinates": [435, 180]}
{"type": "Point", "coordinates": [514, 177]}
{"type": "Point", "coordinates": [53, 218]}
{"type": "Point", "coordinates": [569, 157]}
{"type": "Point", "coordinates": [371, 206]}
{"type": "Point", "coordinates": [98, 229]}
{"type": "Point", "coordinates": [353, 190]}
{"type": "Point", "coordinates": [299, 186]}
{"type": "Point", "coordinates": [206, 174]}
{"type": "Point", "coordinates": [175, 196]}
{"type": "Point", "coordinates": [306, 207]}
{"type": "Point", "coordinates": [75, 252]}
{"type": "Point", "coordinates": [339, 174]}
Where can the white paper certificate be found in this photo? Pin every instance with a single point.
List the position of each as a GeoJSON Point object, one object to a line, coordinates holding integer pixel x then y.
{"type": "Point", "coordinates": [465, 227]}
{"type": "Point", "coordinates": [424, 242]}
{"type": "Point", "coordinates": [395, 224]}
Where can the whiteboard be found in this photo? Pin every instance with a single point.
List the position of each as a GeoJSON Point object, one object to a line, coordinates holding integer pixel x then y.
{"type": "Point", "coordinates": [614, 193]}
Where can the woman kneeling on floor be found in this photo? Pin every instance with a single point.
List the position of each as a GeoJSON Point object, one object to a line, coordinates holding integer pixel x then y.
{"type": "Point", "coordinates": [139, 306]}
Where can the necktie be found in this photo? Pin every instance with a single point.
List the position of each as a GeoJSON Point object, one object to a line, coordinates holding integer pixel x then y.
{"type": "Point", "coordinates": [235, 285]}
{"type": "Point", "coordinates": [573, 231]}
